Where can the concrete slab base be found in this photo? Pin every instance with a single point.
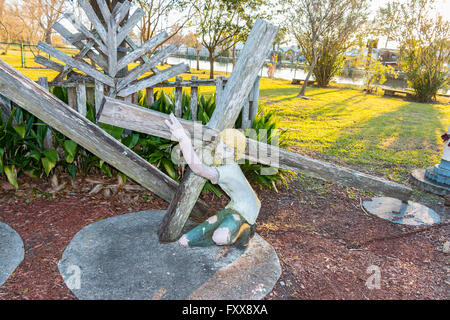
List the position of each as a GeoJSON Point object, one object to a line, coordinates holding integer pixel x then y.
{"type": "Point", "coordinates": [121, 258]}
{"type": "Point", "coordinates": [11, 252]}
{"type": "Point", "coordinates": [412, 213]}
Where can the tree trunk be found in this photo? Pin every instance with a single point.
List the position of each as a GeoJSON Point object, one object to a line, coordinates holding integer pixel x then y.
{"type": "Point", "coordinates": [305, 83]}
{"type": "Point", "coordinates": [211, 65]}
{"type": "Point", "coordinates": [48, 36]}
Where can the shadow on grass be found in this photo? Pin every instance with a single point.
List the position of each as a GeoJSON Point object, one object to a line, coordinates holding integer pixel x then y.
{"type": "Point", "coordinates": [291, 93]}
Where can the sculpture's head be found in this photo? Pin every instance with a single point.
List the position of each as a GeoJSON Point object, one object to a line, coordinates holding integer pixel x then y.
{"type": "Point", "coordinates": [231, 146]}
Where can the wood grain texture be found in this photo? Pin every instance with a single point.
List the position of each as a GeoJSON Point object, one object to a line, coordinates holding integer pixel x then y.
{"type": "Point", "coordinates": [194, 100]}
{"type": "Point", "coordinates": [153, 80]}
{"type": "Point", "coordinates": [76, 41]}
{"type": "Point", "coordinates": [80, 65]}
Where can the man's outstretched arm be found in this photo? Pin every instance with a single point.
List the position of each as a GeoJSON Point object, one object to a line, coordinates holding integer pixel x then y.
{"type": "Point", "coordinates": [194, 162]}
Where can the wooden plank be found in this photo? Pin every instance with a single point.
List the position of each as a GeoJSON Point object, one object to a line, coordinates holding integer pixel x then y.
{"type": "Point", "coordinates": [147, 121]}
{"type": "Point", "coordinates": [114, 66]}
{"type": "Point", "coordinates": [102, 5]}
{"type": "Point", "coordinates": [80, 65]}
{"type": "Point", "coordinates": [81, 28]}
{"type": "Point", "coordinates": [153, 80]}
{"type": "Point", "coordinates": [41, 103]}
{"type": "Point", "coordinates": [81, 99]}
{"type": "Point", "coordinates": [126, 115]}
{"type": "Point", "coordinates": [150, 97]}
{"type": "Point", "coordinates": [99, 95]}
{"type": "Point", "coordinates": [238, 88]}
{"type": "Point", "coordinates": [74, 40]}
{"type": "Point", "coordinates": [72, 97]}
{"type": "Point", "coordinates": [130, 24]}
{"type": "Point", "coordinates": [135, 98]}
{"type": "Point", "coordinates": [143, 68]}
{"type": "Point", "coordinates": [178, 99]}
{"type": "Point", "coordinates": [68, 69]}
{"type": "Point", "coordinates": [219, 90]}
{"type": "Point", "coordinates": [90, 95]}
{"type": "Point", "coordinates": [121, 10]}
{"type": "Point", "coordinates": [93, 18]}
{"type": "Point", "coordinates": [142, 50]}
{"type": "Point", "coordinates": [49, 138]}
{"type": "Point", "coordinates": [194, 100]}
{"type": "Point", "coordinates": [246, 115]}
{"type": "Point", "coordinates": [254, 106]}
{"type": "Point", "coordinates": [5, 108]}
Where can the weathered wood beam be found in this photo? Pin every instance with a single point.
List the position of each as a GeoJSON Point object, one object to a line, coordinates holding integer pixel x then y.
{"type": "Point", "coordinates": [112, 43]}
{"type": "Point", "coordinates": [80, 65]}
{"type": "Point", "coordinates": [106, 13]}
{"type": "Point", "coordinates": [238, 87]}
{"type": "Point", "coordinates": [49, 138]}
{"type": "Point", "coordinates": [5, 107]}
{"type": "Point", "coordinates": [130, 24]}
{"type": "Point", "coordinates": [121, 10]}
{"type": "Point", "coordinates": [80, 55]}
{"type": "Point", "coordinates": [143, 68]}
{"type": "Point", "coordinates": [81, 28]}
{"type": "Point", "coordinates": [81, 99]}
{"type": "Point", "coordinates": [76, 41]}
{"type": "Point", "coordinates": [125, 115]}
{"type": "Point", "coordinates": [41, 103]}
{"type": "Point", "coordinates": [93, 18]}
{"type": "Point", "coordinates": [194, 100]}
{"type": "Point", "coordinates": [153, 80]}
{"type": "Point", "coordinates": [49, 63]}
{"type": "Point", "coordinates": [178, 98]}
{"type": "Point", "coordinates": [99, 95]}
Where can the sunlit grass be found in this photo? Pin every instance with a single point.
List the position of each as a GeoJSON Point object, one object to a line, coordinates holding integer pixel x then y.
{"type": "Point", "coordinates": [382, 135]}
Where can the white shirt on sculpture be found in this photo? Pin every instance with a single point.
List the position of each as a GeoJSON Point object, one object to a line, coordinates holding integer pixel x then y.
{"type": "Point", "coordinates": [243, 199]}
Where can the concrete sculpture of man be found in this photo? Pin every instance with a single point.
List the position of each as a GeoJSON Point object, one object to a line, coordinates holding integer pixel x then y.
{"type": "Point", "coordinates": [236, 223]}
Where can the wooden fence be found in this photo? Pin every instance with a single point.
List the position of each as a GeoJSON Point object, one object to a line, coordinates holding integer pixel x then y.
{"type": "Point", "coordinates": [83, 89]}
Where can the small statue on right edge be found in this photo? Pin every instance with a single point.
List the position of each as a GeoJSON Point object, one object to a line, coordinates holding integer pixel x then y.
{"type": "Point", "coordinates": [236, 223]}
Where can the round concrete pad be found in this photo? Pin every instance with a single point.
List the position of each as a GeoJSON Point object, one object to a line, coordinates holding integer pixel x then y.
{"type": "Point", "coordinates": [391, 209]}
{"type": "Point", "coordinates": [11, 252]}
{"type": "Point", "coordinates": [121, 258]}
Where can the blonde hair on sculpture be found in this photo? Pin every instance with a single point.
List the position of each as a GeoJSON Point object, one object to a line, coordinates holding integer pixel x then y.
{"type": "Point", "coordinates": [236, 139]}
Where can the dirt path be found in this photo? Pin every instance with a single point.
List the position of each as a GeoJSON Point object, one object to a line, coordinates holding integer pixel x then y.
{"type": "Point", "coordinates": [325, 242]}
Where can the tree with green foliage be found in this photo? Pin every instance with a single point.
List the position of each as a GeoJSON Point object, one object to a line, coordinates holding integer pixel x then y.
{"type": "Point", "coordinates": [224, 23]}
{"type": "Point", "coordinates": [424, 40]}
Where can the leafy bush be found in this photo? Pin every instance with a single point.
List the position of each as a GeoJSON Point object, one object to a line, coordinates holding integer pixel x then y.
{"type": "Point", "coordinates": [425, 67]}
{"type": "Point", "coordinates": [22, 150]}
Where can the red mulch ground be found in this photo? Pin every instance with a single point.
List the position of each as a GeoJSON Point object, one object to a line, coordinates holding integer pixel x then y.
{"type": "Point", "coordinates": [324, 240]}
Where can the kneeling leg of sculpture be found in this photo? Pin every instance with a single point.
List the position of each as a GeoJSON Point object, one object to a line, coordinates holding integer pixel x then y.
{"type": "Point", "coordinates": [225, 228]}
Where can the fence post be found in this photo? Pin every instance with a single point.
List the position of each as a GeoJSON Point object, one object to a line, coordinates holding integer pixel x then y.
{"type": "Point", "coordinates": [22, 58]}
{"type": "Point", "coordinates": [49, 140]}
{"type": "Point", "coordinates": [178, 97]}
{"type": "Point", "coordinates": [194, 99]}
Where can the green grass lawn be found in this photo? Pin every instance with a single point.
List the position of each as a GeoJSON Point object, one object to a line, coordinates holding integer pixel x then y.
{"type": "Point", "coordinates": [389, 136]}
{"type": "Point", "coordinates": [381, 135]}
